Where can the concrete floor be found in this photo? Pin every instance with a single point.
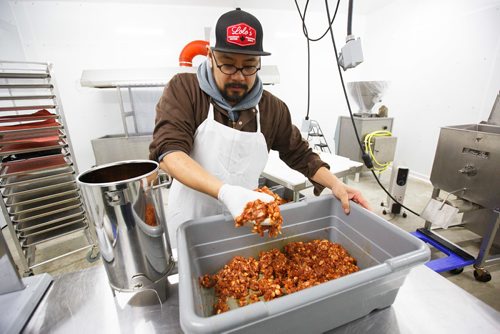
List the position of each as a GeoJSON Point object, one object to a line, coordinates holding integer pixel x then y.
{"type": "Point", "coordinates": [417, 195]}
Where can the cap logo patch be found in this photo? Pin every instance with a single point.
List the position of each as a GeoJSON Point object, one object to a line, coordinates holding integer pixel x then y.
{"type": "Point", "coordinates": [241, 34]}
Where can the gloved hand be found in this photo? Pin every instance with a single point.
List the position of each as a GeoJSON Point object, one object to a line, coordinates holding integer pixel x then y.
{"type": "Point", "coordinates": [235, 198]}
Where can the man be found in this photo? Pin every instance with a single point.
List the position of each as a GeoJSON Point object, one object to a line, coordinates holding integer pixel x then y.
{"type": "Point", "coordinates": [214, 130]}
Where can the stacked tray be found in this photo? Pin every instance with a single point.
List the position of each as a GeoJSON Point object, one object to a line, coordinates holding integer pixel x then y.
{"type": "Point", "coordinates": [41, 200]}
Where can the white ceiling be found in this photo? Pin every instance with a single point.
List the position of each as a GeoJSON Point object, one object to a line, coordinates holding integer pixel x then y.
{"type": "Point", "coordinates": [360, 6]}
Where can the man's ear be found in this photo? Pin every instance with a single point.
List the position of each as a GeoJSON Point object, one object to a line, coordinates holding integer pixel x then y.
{"type": "Point", "coordinates": [209, 57]}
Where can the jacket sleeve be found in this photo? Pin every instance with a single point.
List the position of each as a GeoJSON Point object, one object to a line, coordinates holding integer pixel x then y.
{"type": "Point", "coordinates": [175, 122]}
{"type": "Point", "coordinates": [294, 150]}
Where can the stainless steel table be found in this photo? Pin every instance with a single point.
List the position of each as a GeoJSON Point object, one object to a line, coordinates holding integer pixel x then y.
{"type": "Point", "coordinates": [81, 302]}
{"type": "Point", "coordinates": [277, 171]}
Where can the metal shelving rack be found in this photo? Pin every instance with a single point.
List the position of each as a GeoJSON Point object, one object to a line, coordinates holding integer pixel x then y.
{"type": "Point", "coordinates": [41, 201]}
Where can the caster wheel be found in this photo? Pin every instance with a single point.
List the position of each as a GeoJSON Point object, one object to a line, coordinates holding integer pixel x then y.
{"type": "Point", "coordinates": [456, 271]}
{"type": "Point", "coordinates": [91, 257]}
{"type": "Point", "coordinates": [405, 215]}
{"type": "Point", "coordinates": [382, 204]}
{"type": "Point", "coordinates": [482, 275]}
{"type": "Point", "coordinates": [384, 212]}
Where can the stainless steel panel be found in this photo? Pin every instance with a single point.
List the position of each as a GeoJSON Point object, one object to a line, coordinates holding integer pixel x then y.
{"type": "Point", "coordinates": [44, 163]}
{"type": "Point", "coordinates": [15, 137]}
{"type": "Point", "coordinates": [384, 148]}
{"type": "Point", "coordinates": [60, 144]}
{"type": "Point", "coordinates": [24, 75]}
{"type": "Point", "coordinates": [477, 222]}
{"type": "Point", "coordinates": [468, 156]}
{"type": "Point", "coordinates": [44, 230]}
{"type": "Point", "coordinates": [44, 237]}
{"type": "Point", "coordinates": [27, 97]}
{"type": "Point", "coordinates": [346, 144]}
{"type": "Point", "coordinates": [119, 148]}
{"type": "Point", "coordinates": [40, 130]}
{"type": "Point", "coordinates": [59, 190]}
{"type": "Point", "coordinates": [13, 108]}
{"type": "Point", "coordinates": [39, 188]}
{"type": "Point", "coordinates": [54, 219]}
{"type": "Point", "coordinates": [494, 118]}
{"type": "Point", "coordinates": [47, 212]}
{"type": "Point", "coordinates": [10, 281]}
{"type": "Point", "coordinates": [35, 207]}
{"type": "Point", "coordinates": [35, 177]}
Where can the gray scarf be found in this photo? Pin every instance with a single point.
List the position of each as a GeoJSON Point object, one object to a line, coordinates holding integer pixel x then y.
{"type": "Point", "coordinates": [208, 85]}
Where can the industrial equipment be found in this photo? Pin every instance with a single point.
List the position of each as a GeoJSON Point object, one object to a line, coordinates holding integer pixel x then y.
{"type": "Point", "coordinates": [466, 165]}
{"type": "Point", "coordinates": [18, 297]}
{"type": "Point", "coordinates": [375, 125]}
{"type": "Point", "coordinates": [40, 199]}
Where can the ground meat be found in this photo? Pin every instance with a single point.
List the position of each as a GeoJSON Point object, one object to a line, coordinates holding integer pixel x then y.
{"type": "Point", "coordinates": [259, 211]}
{"type": "Point", "coordinates": [301, 265]}
{"type": "Point", "coordinates": [150, 216]}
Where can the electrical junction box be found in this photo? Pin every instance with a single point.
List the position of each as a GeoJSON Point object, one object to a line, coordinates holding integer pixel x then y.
{"type": "Point", "coordinates": [346, 144]}
{"type": "Point", "coordinates": [384, 148]}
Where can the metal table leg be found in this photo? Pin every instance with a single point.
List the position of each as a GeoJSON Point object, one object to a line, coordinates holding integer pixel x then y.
{"type": "Point", "coordinates": [480, 273]}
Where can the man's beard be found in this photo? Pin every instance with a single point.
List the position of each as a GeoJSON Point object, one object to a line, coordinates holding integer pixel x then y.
{"type": "Point", "coordinates": [234, 97]}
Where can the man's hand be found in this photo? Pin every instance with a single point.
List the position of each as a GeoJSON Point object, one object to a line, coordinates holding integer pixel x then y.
{"type": "Point", "coordinates": [340, 190]}
{"type": "Point", "coordinates": [345, 193]}
{"type": "Point", "coordinates": [235, 198]}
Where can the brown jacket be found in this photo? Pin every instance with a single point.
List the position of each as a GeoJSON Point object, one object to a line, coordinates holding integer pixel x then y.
{"type": "Point", "coordinates": [184, 106]}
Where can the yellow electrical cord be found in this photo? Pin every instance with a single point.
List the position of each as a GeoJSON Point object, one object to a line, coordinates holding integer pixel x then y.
{"type": "Point", "coordinates": [380, 167]}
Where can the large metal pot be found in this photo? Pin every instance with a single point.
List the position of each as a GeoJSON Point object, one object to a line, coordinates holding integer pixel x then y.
{"type": "Point", "coordinates": [124, 202]}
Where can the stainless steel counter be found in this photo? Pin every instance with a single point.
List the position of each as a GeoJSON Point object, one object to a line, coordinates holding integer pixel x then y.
{"type": "Point", "coordinates": [82, 302]}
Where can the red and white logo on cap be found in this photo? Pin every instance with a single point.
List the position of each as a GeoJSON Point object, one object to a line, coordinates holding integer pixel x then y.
{"type": "Point", "coordinates": [241, 34]}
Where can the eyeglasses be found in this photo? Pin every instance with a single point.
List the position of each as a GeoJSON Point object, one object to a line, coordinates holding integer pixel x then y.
{"type": "Point", "coordinates": [231, 69]}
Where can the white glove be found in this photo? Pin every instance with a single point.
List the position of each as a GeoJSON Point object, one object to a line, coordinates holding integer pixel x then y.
{"type": "Point", "coordinates": [235, 198]}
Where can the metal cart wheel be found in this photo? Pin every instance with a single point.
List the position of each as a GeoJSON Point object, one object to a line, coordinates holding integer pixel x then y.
{"type": "Point", "coordinates": [456, 271]}
{"type": "Point", "coordinates": [28, 273]}
{"type": "Point", "coordinates": [482, 275]}
{"type": "Point", "coordinates": [384, 212]}
{"type": "Point", "coordinates": [405, 215]}
{"type": "Point", "coordinates": [91, 257]}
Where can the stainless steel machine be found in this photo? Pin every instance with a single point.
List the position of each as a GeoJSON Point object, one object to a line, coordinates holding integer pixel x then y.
{"type": "Point", "coordinates": [366, 94]}
{"type": "Point", "coordinates": [466, 165]}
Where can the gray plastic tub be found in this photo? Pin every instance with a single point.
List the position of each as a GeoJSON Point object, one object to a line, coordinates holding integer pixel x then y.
{"type": "Point", "coordinates": [385, 254]}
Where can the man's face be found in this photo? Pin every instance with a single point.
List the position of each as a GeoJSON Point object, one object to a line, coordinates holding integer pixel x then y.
{"type": "Point", "coordinates": [233, 87]}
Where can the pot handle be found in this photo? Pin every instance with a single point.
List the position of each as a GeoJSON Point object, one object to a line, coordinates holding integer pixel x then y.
{"type": "Point", "coordinates": [164, 181]}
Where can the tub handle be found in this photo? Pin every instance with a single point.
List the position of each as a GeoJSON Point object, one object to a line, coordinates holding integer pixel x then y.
{"type": "Point", "coordinates": [116, 197]}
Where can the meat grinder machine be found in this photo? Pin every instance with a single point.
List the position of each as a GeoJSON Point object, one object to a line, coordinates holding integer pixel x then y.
{"type": "Point", "coordinates": [366, 94]}
{"type": "Point", "coordinates": [466, 165]}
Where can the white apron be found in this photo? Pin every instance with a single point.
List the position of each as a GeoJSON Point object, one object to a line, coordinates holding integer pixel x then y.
{"type": "Point", "coordinates": [235, 157]}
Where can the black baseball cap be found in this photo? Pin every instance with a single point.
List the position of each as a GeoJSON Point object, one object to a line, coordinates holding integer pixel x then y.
{"type": "Point", "coordinates": [239, 32]}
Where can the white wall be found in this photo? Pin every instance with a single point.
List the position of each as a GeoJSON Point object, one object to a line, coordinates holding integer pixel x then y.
{"type": "Point", "coordinates": [78, 35]}
{"type": "Point", "coordinates": [440, 56]}
{"type": "Point", "coordinates": [10, 42]}
{"type": "Point", "coordinates": [443, 61]}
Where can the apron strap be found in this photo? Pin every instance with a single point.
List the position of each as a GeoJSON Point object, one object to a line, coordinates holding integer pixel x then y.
{"type": "Point", "coordinates": [258, 117]}
{"type": "Point", "coordinates": [211, 112]}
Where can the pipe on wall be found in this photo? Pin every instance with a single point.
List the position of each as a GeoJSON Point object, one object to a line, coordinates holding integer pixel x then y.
{"type": "Point", "coordinates": [191, 50]}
